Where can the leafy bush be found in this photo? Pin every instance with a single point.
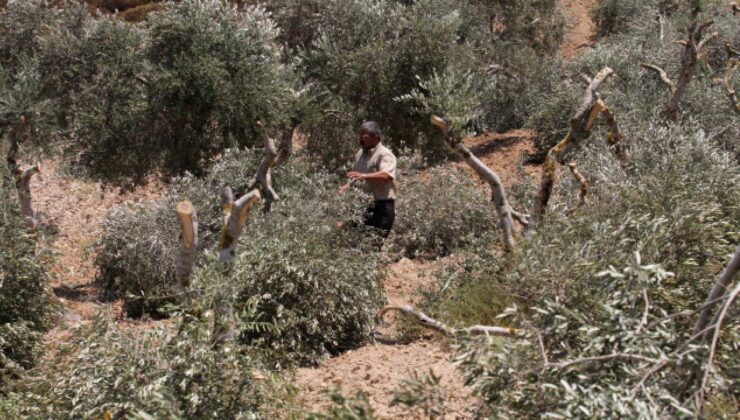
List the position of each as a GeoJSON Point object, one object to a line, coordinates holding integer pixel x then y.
{"type": "Point", "coordinates": [287, 260]}
{"type": "Point", "coordinates": [369, 52]}
{"type": "Point", "coordinates": [139, 373]}
{"type": "Point", "coordinates": [26, 304]}
{"type": "Point", "coordinates": [675, 206]}
{"type": "Point", "coordinates": [441, 211]}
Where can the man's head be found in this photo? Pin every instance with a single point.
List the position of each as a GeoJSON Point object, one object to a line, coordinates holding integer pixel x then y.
{"type": "Point", "coordinates": [369, 135]}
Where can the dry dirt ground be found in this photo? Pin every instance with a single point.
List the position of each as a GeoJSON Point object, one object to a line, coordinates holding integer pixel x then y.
{"type": "Point", "coordinates": [580, 27]}
{"type": "Point", "coordinates": [72, 210]}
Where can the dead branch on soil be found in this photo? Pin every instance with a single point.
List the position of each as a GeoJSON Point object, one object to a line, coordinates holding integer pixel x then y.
{"type": "Point", "coordinates": [188, 244]}
{"type": "Point", "coordinates": [428, 322]}
{"type": "Point", "coordinates": [498, 194]}
{"type": "Point", "coordinates": [580, 129]}
{"type": "Point", "coordinates": [235, 216]}
{"type": "Point", "coordinates": [692, 50]}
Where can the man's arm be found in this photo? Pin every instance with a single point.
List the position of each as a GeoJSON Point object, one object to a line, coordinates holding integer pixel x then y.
{"type": "Point", "coordinates": [373, 176]}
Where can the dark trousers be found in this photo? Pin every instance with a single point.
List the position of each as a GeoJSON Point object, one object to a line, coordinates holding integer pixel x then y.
{"type": "Point", "coordinates": [381, 215]}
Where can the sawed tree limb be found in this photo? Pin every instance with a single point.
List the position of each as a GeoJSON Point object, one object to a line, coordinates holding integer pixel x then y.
{"type": "Point", "coordinates": [188, 244]}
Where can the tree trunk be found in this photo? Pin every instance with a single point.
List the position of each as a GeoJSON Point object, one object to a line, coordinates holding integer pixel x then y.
{"type": "Point", "coordinates": [235, 216]}
{"type": "Point", "coordinates": [188, 244]}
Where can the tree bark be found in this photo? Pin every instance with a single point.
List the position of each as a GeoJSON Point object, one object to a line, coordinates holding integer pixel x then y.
{"type": "Point", "coordinates": [733, 62]}
{"type": "Point", "coordinates": [23, 184]}
{"type": "Point", "coordinates": [188, 244]}
{"type": "Point", "coordinates": [235, 216]}
{"type": "Point", "coordinates": [498, 193]}
{"type": "Point", "coordinates": [272, 157]}
{"type": "Point", "coordinates": [719, 288]}
{"type": "Point", "coordinates": [580, 128]}
{"type": "Point", "coordinates": [689, 59]}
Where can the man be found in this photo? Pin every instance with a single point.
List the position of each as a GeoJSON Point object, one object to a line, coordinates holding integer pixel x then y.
{"type": "Point", "coordinates": [375, 167]}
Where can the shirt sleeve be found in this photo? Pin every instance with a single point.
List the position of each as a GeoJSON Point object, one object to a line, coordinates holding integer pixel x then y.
{"type": "Point", "coordinates": [388, 164]}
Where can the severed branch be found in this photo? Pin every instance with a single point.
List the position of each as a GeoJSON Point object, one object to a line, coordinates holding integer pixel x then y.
{"type": "Point", "coordinates": [663, 75]}
{"type": "Point", "coordinates": [271, 158]}
{"type": "Point", "coordinates": [582, 180]}
{"type": "Point", "coordinates": [614, 136]}
{"type": "Point", "coordinates": [235, 216]}
{"type": "Point", "coordinates": [185, 260]}
{"type": "Point", "coordinates": [23, 184]}
{"type": "Point", "coordinates": [722, 283]}
{"type": "Point", "coordinates": [580, 128]}
{"type": "Point", "coordinates": [733, 62]}
{"type": "Point", "coordinates": [428, 322]}
{"type": "Point", "coordinates": [719, 319]}
{"type": "Point", "coordinates": [498, 194]}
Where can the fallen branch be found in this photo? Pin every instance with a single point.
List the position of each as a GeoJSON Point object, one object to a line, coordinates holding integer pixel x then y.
{"type": "Point", "coordinates": [715, 339]}
{"type": "Point", "coordinates": [614, 136]}
{"type": "Point", "coordinates": [498, 194]}
{"type": "Point", "coordinates": [663, 75]}
{"type": "Point", "coordinates": [604, 358]}
{"type": "Point", "coordinates": [188, 244]}
{"type": "Point", "coordinates": [718, 289]}
{"type": "Point", "coordinates": [431, 323]}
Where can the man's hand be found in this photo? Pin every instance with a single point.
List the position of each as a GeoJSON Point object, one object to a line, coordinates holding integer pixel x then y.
{"type": "Point", "coordinates": [343, 189]}
{"type": "Point", "coordinates": [354, 175]}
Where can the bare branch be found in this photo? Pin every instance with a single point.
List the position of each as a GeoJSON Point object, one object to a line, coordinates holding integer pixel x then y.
{"type": "Point", "coordinates": [188, 244]}
{"type": "Point", "coordinates": [726, 82]}
{"type": "Point", "coordinates": [498, 194]}
{"type": "Point", "coordinates": [23, 184]}
{"type": "Point", "coordinates": [582, 180]}
{"type": "Point", "coordinates": [431, 323]}
{"type": "Point", "coordinates": [580, 129]}
{"type": "Point", "coordinates": [718, 289]}
{"type": "Point", "coordinates": [663, 75]}
{"type": "Point", "coordinates": [715, 339]}
{"type": "Point", "coordinates": [604, 358]}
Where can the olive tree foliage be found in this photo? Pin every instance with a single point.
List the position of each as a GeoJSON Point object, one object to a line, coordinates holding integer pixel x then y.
{"type": "Point", "coordinates": [301, 273]}
{"type": "Point", "coordinates": [609, 292]}
{"type": "Point", "coordinates": [166, 94]}
{"type": "Point", "coordinates": [107, 370]}
{"type": "Point", "coordinates": [367, 54]}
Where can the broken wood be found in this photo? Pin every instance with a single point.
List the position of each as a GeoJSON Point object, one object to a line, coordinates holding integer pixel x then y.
{"type": "Point", "coordinates": [498, 194]}
{"type": "Point", "coordinates": [614, 136]}
{"type": "Point", "coordinates": [188, 244]}
{"type": "Point", "coordinates": [719, 288]}
{"type": "Point", "coordinates": [580, 129]}
{"type": "Point", "coordinates": [23, 184]}
{"type": "Point", "coordinates": [271, 158]}
{"type": "Point", "coordinates": [428, 322]}
{"type": "Point", "coordinates": [663, 75]}
{"type": "Point", "coordinates": [235, 216]}
{"type": "Point", "coordinates": [733, 62]}
{"type": "Point", "coordinates": [582, 180]}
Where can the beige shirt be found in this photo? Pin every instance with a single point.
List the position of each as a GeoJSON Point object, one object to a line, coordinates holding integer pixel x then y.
{"type": "Point", "coordinates": [379, 158]}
